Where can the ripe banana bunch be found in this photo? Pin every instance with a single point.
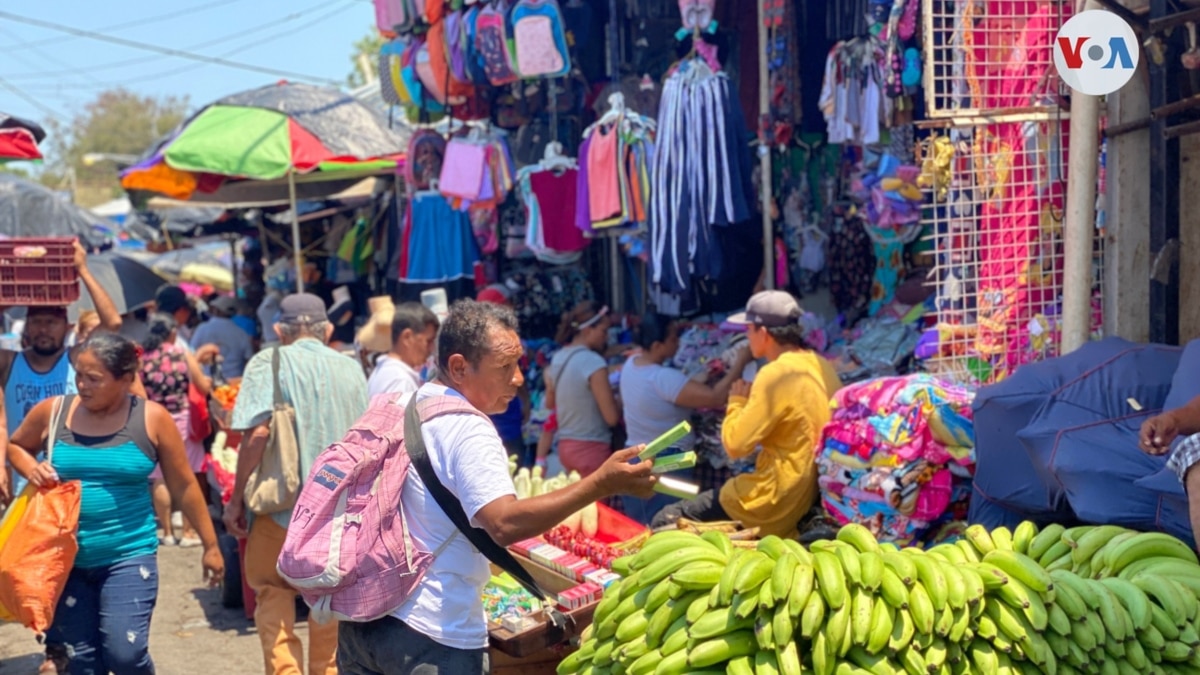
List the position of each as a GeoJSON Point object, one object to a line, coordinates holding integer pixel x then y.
{"type": "Point", "coordinates": [999, 602]}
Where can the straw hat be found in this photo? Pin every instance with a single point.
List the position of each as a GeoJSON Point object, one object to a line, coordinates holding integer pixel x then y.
{"type": "Point", "coordinates": [376, 333]}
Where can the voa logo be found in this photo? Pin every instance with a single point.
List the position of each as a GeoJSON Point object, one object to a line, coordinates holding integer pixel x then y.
{"type": "Point", "coordinates": [1096, 53]}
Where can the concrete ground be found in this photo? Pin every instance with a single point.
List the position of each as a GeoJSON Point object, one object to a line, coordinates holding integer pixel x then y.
{"type": "Point", "coordinates": [191, 631]}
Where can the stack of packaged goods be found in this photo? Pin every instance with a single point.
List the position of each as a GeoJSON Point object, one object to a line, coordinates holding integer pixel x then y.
{"type": "Point", "coordinates": [897, 454]}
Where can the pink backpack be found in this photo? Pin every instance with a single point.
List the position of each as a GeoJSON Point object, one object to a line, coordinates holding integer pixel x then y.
{"type": "Point", "coordinates": [348, 548]}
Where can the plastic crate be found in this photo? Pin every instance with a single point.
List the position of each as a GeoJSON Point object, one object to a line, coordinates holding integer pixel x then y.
{"type": "Point", "coordinates": [38, 271]}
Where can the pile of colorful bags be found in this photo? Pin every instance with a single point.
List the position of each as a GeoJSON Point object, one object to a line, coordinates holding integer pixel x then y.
{"type": "Point", "coordinates": [897, 454]}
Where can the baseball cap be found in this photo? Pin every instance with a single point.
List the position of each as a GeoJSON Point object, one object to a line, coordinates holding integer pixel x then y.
{"type": "Point", "coordinates": [224, 304]}
{"type": "Point", "coordinates": [171, 299]}
{"type": "Point", "coordinates": [302, 308]}
{"type": "Point", "coordinates": [769, 309]}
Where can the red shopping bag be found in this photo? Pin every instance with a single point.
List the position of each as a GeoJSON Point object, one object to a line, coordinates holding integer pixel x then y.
{"type": "Point", "coordinates": [34, 564]}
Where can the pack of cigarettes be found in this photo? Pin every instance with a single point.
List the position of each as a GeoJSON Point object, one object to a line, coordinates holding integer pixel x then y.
{"type": "Point", "coordinates": [579, 596]}
{"type": "Point", "coordinates": [524, 547]}
{"type": "Point", "coordinates": [545, 555]}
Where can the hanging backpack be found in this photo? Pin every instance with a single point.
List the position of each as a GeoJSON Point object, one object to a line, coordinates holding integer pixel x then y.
{"type": "Point", "coordinates": [395, 17]}
{"type": "Point", "coordinates": [540, 39]}
{"type": "Point", "coordinates": [423, 165]}
{"type": "Point", "coordinates": [491, 44]}
{"type": "Point", "coordinates": [349, 549]}
{"type": "Point", "coordinates": [391, 82]}
{"type": "Point", "coordinates": [470, 27]}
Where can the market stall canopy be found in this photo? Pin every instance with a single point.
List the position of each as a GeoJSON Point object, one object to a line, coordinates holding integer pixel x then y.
{"type": "Point", "coordinates": [31, 210]}
{"type": "Point", "coordinates": [130, 283]}
{"type": "Point", "coordinates": [246, 194]}
{"type": "Point", "coordinates": [265, 134]}
{"type": "Point", "coordinates": [19, 138]}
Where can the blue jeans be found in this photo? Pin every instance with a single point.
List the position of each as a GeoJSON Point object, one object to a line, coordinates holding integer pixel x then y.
{"type": "Point", "coordinates": [388, 646]}
{"type": "Point", "coordinates": [102, 621]}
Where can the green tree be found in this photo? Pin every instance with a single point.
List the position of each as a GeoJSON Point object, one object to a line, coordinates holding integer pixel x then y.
{"type": "Point", "coordinates": [117, 121]}
{"type": "Point", "coordinates": [365, 59]}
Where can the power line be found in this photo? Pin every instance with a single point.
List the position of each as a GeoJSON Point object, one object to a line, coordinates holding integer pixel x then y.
{"type": "Point", "coordinates": [124, 25]}
{"type": "Point", "coordinates": [178, 53]}
{"type": "Point", "coordinates": [191, 48]}
{"type": "Point", "coordinates": [188, 68]}
{"type": "Point", "coordinates": [28, 99]}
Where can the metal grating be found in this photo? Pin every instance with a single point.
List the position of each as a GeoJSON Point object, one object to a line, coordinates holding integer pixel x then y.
{"type": "Point", "coordinates": [991, 56]}
{"type": "Point", "coordinates": [997, 192]}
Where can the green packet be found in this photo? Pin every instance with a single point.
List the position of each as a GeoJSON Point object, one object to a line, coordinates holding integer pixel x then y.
{"type": "Point", "coordinates": [666, 440]}
{"type": "Point", "coordinates": [679, 462]}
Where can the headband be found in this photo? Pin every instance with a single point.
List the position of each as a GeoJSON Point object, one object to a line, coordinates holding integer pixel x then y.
{"type": "Point", "coordinates": [594, 320]}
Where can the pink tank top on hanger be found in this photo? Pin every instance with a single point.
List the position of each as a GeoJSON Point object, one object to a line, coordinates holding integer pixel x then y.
{"type": "Point", "coordinates": [604, 188]}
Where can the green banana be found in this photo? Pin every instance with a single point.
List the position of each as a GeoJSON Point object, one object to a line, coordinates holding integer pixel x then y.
{"type": "Point", "coordinates": [831, 580]}
{"type": "Point", "coordinates": [1069, 601]}
{"type": "Point", "coordinates": [674, 663]}
{"type": "Point", "coordinates": [764, 632]}
{"type": "Point", "coordinates": [1133, 599]}
{"type": "Point", "coordinates": [880, 627]}
{"type": "Point", "coordinates": [766, 598]}
{"type": "Point", "coordinates": [742, 665]}
{"type": "Point", "coordinates": [1044, 539]}
{"type": "Point", "coordinates": [901, 564]}
{"type": "Point", "coordinates": [838, 626]}
{"type": "Point", "coordinates": [1087, 545]}
{"type": "Point", "coordinates": [724, 590]}
{"type": "Point", "coordinates": [973, 582]}
{"type": "Point", "coordinates": [848, 557]}
{"type": "Point", "coordinates": [753, 574]}
{"type": "Point", "coordinates": [786, 657]}
{"type": "Point", "coordinates": [813, 616]}
{"type": "Point", "coordinates": [968, 550]}
{"type": "Point", "coordinates": [1002, 538]}
{"type": "Point", "coordinates": [859, 537]}
{"type": "Point", "coordinates": [980, 538]}
{"type": "Point", "coordinates": [772, 546]}
{"type": "Point", "coordinates": [993, 577]}
{"type": "Point", "coordinates": [1147, 545]}
{"type": "Point", "coordinates": [903, 630]}
{"type": "Point", "coordinates": [1169, 595]}
{"type": "Point", "coordinates": [921, 608]}
{"type": "Point", "coordinates": [722, 648]}
{"type": "Point", "coordinates": [872, 569]}
{"type": "Point", "coordinates": [956, 586]}
{"type": "Point", "coordinates": [782, 573]}
{"type": "Point", "coordinates": [950, 553]}
{"type": "Point", "coordinates": [674, 560]}
{"type": "Point", "coordinates": [698, 576]}
{"type": "Point", "coordinates": [1058, 620]}
{"type": "Point", "coordinates": [1163, 623]}
{"type": "Point", "coordinates": [860, 615]}
{"type": "Point", "coordinates": [645, 664]}
{"type": "Point", "coordinates": [667, 615]}
{"type": "Point", "coordinates": [766, 662]}
{"type": "Point", "coordinates": [676, 638]}
{"type": "Point", "coordinates": [892, 590]}
{"type": "Point", "coordinates": [1023, 568]}
{"type": "Point", "coordinates": [1112, 613]}
{"type": "Point", "coordinates": [945, 621]}
{"type": "Point", "coordinates": [719, 540]}
{"type": "Point", "coordinates": [1023, 536]}
{"type": "Point", "coordinates": [801, 587]}
{"type": "Point", "coordinates": [823, 658]}
{"type": "Point", "coordinates": [929, 571]}
{"type": "Point", "coordinates": [1058, 554]}
{"type": "Point", "coordinates": [698, 608]}
{"type": "Point", "coordinates": [782, 626]}
{"type": "Point", "coordinates": [718, 622]}
{"type": "Point", "coordinates": [633, 626]}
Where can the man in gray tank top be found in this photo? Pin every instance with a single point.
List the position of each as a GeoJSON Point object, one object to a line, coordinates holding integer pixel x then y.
{"type": "Point", "coordinates": [43, 368]}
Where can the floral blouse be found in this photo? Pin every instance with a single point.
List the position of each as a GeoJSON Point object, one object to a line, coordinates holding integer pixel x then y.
{"type": "Point", "coordinates": [165, 376]}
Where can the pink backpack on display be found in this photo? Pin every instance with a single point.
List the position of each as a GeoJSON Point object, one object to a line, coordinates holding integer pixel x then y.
{"type": "Point", "coordinates": [348, 548]}
{"type": "Point", "coordinates": [491, 44]}
{"type": "Point", "coordinates": [395, 16]}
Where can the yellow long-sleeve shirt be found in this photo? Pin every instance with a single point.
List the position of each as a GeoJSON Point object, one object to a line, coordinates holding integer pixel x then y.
{"type": "Point", "coordinates": [785, 413]}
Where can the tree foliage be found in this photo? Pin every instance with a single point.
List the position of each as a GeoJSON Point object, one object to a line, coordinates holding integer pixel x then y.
{"type": "Point", "coordinates": [367, 47]}
{"type": "Point", "coordinates": [117, 121]}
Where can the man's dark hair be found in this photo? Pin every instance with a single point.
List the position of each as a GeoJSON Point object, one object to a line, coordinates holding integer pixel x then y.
{"type": "Point", "coordinates": [411, 316]}
{"type": "Point", "coordinates": [790, 336]}
{"type": "Point", "coordinates": [467, 329]}
{"type": "Point", "coordinates": [654, 327]}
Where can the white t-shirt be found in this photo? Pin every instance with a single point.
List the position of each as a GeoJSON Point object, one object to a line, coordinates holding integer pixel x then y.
{"type": "Point", "coordinates": [469, 458]}
{"type": "Point", "coordinates": [392, 376]}
{"type": "Point", "coordinates": [648, 393]}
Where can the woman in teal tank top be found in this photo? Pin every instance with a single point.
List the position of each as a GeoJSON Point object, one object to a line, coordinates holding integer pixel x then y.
{"type": "Point", "coordinates": [110, 440]}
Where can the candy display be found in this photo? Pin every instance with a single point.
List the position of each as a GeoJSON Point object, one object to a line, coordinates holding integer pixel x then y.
{"type": "Point", "coordinates": [1080, 600]}
{"type": "Point", "coordinates": [505, 599]}
{"type": "Point", "coordinates": [895, 452]}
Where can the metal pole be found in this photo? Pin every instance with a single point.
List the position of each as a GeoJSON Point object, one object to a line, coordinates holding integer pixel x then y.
{"type": "Point", "coordinates": [764, 150]}
{"type": "Point", "coordinates": [296, 252]}
{"type": "Point", "coordinates": [1164, 186]}
{"type": "Point", "coordinates": [1080, 225]}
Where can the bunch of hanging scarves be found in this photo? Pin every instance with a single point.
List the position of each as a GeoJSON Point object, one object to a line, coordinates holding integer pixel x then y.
{"type": "Point", "coordinates": [701, 175]}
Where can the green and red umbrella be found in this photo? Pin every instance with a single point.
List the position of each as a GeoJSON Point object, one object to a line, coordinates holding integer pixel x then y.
{"type": "Point", "coordinates": [19, 138]}
{"type": "Point", "coordinates": [264, 134]}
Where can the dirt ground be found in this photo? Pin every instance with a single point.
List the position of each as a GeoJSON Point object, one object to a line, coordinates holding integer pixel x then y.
{"type": "Point", "coordinates": [191, 631]}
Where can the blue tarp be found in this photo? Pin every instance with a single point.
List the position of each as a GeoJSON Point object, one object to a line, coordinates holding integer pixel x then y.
{"type": "Point", "coordinates": [1038, 433]}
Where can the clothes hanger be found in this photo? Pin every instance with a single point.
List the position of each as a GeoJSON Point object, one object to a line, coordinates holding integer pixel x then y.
{"type": "Point", "coordinates": [616, 112]}
{"type": "Point", "coordinates": [555, 160]}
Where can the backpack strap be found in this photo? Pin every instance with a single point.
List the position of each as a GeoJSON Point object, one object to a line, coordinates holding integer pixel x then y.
{"type": "Point", "coordinates": [414, 443]}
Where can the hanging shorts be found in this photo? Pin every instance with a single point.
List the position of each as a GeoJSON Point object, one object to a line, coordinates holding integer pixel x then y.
{"type": "Point", "coordinates": [441, 243]}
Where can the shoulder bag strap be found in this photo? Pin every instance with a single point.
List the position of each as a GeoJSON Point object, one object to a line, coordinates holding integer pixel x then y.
{"type": "Point", "coordinates": [563, 368]}
{"type": "Point", "coordinates": [56, 413]}
{"type": "Point", "coordinates": [414, 443]}
{"type": "Point", "coordinates": [275, 376]}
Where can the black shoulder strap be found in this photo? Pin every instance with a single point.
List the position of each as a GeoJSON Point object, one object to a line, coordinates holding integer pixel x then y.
{"type": "Point", "coordinates": [414, 443]}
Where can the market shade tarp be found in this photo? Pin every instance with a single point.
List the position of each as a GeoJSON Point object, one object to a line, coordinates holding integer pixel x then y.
{"type": "Point", "coordinates": [31, 210]}
{"type": "Point", "coordinates": [265, 134]}
{"type": "Point", "coordinates": [246, 194]}
{"type": "Point", "coordinates": [19, 138]}
{"type": "Point", "coordinates": [1005, 476]}
{"type": "Point", "coordinates": [128, 282]}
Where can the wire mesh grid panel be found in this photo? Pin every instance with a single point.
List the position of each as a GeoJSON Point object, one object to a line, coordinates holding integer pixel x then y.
{"type": "Point", "coordinates": [996, 221]}
{"type": "Point", "coordinates": [985, 56]}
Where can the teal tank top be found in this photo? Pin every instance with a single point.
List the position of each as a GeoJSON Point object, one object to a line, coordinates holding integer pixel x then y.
{"type": "Point", "coordinates": [116, 514]}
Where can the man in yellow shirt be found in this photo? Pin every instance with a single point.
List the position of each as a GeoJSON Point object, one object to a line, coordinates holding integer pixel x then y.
{"type": "Point", "coordinates": [782, 414]}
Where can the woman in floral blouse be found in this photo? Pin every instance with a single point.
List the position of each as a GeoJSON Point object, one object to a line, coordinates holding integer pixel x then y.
{"type": "Point", "coordinates": [167, 371]}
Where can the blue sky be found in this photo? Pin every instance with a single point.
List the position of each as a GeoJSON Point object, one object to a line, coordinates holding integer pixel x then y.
{"type": "Point", "coordinates": [62, 72]}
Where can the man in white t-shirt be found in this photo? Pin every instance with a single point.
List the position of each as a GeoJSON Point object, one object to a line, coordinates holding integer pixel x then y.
{"type": "Point", "coordinates": [414, 329]}
{"type": "Point", "coordinates": [442, 627]}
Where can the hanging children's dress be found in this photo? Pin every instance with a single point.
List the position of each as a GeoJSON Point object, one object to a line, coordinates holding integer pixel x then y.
{"type": "Point", "coordinates": [439, 244]}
